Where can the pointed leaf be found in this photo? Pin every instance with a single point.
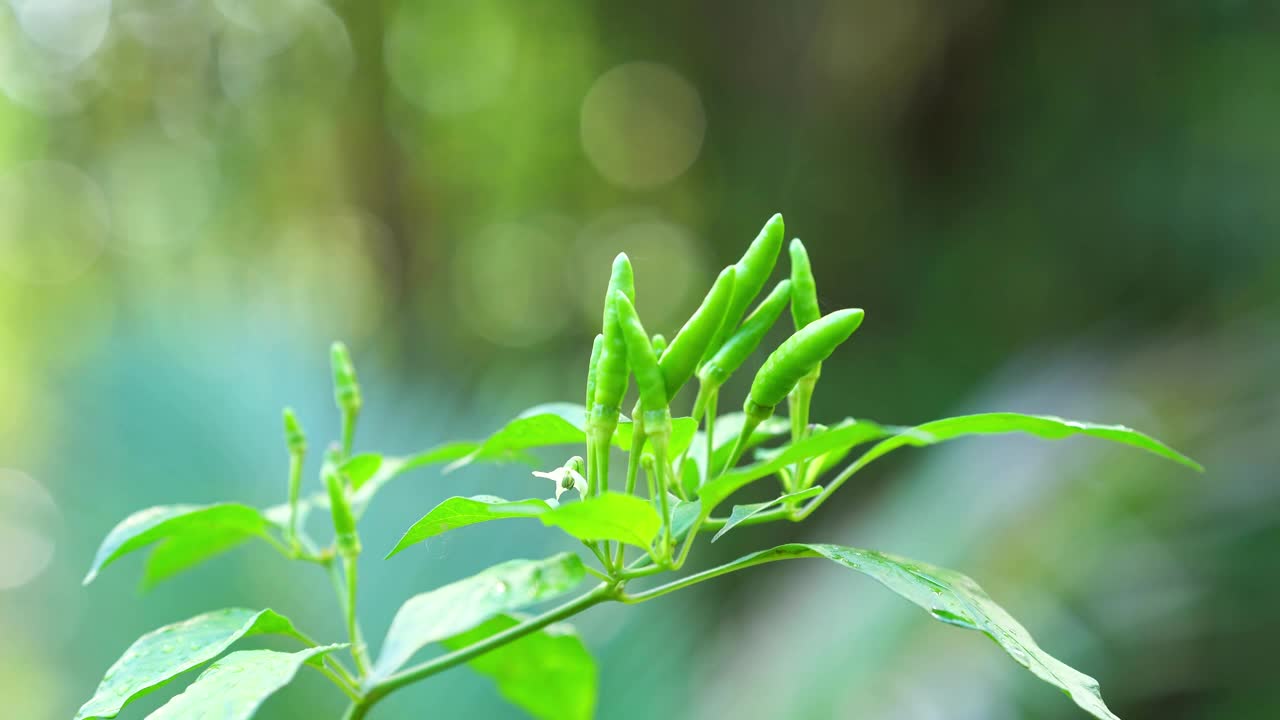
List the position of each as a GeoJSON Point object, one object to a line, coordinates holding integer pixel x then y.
{"type": "Point", "coordinates": [461, 606]}
{"type": "Point", "coordinates": [1045, 426]}
{"type": "Point", "coordinates": [236, 686]}
{"type": "Point", "coordinates": [743, 512]}
{"type": "Point", "coordinates": [153, 524]}
{"type": "Point", "coordinates": [157, 657]}
{"type": "Point", "coordinates": [539, 426]}
{"type": "Point", "coordinates": [359, 468]}
{"type": "Point", "coordinates": [181, 552]}
{"type": "Point", "coordinates": [842, 436]}
{"type": "Point", "coordinates": [549, 674]}
{"type": "Point", "coordinates": [610, 516]}
{"type": "Point", "coordinates": [459, 512]}
{"type": "Point", "coordinates": [683, 516]}
{"type": "Point", "coordinates": [955, 599]}
{"type": "Point", "coordinates": [392, 467]}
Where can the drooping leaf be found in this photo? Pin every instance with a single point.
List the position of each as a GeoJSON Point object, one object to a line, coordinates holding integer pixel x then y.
{"type": "Point", "coordinates": [234, 687]}
{"type": "Point", "coordinates": [459, 512]}
{"type": "Point", "coordinates": [955, 599]}
{"type": "Point", "coordinates": [181, 552]}
{"type": "Point", "coordinates": [359, 468]}
{"type": "Point", "coordinates": [549, 674]}
{"type": "Point", "coordinates": [157, 657]}
{"type": "Point", "coordinates": [460, 606]}
{"type": "Point", "coordinates": [609, 516]}
{"type": "Point", "coordinates": [539, 426]}
{"type": "Point", "coordinates": [169, 521]}
{"type": "Point", "coordinates": [741, 513]}
{"type": "Point", "coordinates": [842, 436]}
{"type": "Point", "coordinates": [1045, 426]}
{"type": "Point", "coordinates": [554, 424]}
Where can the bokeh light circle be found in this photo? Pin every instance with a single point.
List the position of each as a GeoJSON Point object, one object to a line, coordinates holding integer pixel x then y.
{"type": "Point", "coordinates": [450, 58]}
{"type": "Point", "coordinates": [642, 125]}
{"type": "Point", "coordinates": [669, 260]}
{"type": "Point", "coordinates": [507, 284]}
{"type": "Point", "coordinates": [73, 29]}
{"type": "Point", "coordinates": [54, 221]}
{"type": "Point", "coordinates": [29, 519]}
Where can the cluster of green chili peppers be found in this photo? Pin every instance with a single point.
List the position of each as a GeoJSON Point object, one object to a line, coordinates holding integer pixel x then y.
{"type": "Point", "coordinates": [712, 345]}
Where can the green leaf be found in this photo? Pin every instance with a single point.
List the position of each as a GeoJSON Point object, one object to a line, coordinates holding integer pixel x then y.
{"type": "Point", "coordinates": [359, 468]}
{"type": "Point", "coordinates": [952, 598]}
{"type": "Point", "coordinates": [554, 424]}
{"type": "Point", "coordinates": [236, 686]}
{"type": "Point", "coordinates": [549, 674]}
{"type": "Point", "coordinates": [181, 552]}
{"type": "Point", "coordinates": [683, 516]}
{"type": "Point", "coordinates": [157, 657]}
{"type": "Point", "coordinates": [539, 426]}
{"type": "Point", "coordinates": [841, 436]}
{"type": "Point", "coordinates": [1045, 426]}
{"type": "Point", "coordinates": [392, 467]}
{"type": "Point", "coordinates": [460, 606]}
{"type": "Point", "coordinates": [609, 516]}
{"type": "Point", "coordinates": [743, 512]}
{"type": "Point", "coordinates": [169, 521]}
{"type": "Point", "coordinates": [459, 512]}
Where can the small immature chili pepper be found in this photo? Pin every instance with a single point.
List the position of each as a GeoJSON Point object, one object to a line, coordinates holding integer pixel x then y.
{"type": "Point", "coordinates": [659, 343]}
{"type": "Point", "coordinates": [611, 370]}
{"type": "Point", "coordinates": [591, 372]}
{"type": "Point", "coordinates": [346, 389]}
{"type": "Point", "coordinates": [804, 291]}
{"type": "Point", "coordinates": [796, 357]}
{"type": "Point", "coordinates": [293, 435]}
{"type": "Point", "coordinates": [716, 370]}
{"type": "Point", "coordinates": [690, 344]}
{"type": "Point", "coordinates": [644, 365]}
{"type": "Point", "coordinates": [344, 523]}
{"type": "Point", "coordinates": [753, 272]}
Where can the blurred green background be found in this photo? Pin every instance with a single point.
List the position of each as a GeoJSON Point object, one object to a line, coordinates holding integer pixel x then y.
{"type": "Point", "coordinates": [1041, 208]}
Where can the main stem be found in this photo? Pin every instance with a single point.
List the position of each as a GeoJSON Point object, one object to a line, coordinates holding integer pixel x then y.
{"type": "Point", "coordinates": [358, 651]}
{"type": "Point", "coordinates": [420, 672]}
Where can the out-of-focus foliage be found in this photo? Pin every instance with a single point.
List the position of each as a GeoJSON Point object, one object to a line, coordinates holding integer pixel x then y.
{"type": "Point", "coordinates": [1042, 207]}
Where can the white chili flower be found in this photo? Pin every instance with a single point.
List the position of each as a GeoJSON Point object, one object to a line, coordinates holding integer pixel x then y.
{"type": "Point", "coordinates": [565, 478]}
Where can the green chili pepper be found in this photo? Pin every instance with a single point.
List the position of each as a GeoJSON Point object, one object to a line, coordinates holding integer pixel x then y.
{"type": "Point", "coordinates": [690, 344]}
{"type": "Point", "coordinates": [796, 357]}
{"type": "Point", "coordinates": [804, 291]}
{"type": "Point", "coordinates": [741, 344]}
{"type": "Point", "coordinates": [659, 343]}
{"type": "Point", "coordinates": [293, 435]}
{"type": "Point", "coordinates": [592, 366]}
{"type": "Point", "coordinates": [344, 523]}
{"type": "Point", "coordinates": [346, 389]}
{"type": "Point", "coordinates": [611, 370]}
{"type": "Point", "coordinates": [753, 272]}
{"type": "Point", "coordinates": [644, 365]}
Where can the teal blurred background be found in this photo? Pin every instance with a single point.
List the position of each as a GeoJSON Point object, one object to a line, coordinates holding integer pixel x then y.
{"type": "Point", "coordinates": [1044, 209]}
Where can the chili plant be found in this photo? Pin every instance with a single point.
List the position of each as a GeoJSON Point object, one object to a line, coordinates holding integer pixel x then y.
{"type": "Point", "coordinates": [633, 532]}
